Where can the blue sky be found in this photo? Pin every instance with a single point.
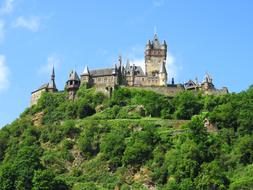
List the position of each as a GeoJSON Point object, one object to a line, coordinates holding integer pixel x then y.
{"type": "Point", "coordinates": [202, 36]}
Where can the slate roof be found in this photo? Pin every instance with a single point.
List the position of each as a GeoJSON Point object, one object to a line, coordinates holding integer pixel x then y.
{"type": "Point", "coordinates": [44, 86]}
{"type": "Point", "coordinates": [102, 72]}
{"type": "Point", "coordinates": [74, 76]}
{"type": "Point", "coordinates": [137, 70]}
{"type": "Point", "coordinates": [86, 71]}
{"type": "Point", "coordinates": [156, 43]}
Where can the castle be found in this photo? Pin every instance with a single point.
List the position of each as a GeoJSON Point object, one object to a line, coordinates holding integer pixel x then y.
{"type": "Point", "coordinates": [154, 77]}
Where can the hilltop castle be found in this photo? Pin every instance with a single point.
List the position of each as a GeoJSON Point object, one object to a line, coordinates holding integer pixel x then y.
{"type": "Point", "coordinates": [153, 77]}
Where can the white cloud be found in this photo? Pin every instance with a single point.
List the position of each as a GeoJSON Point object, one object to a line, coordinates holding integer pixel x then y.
{"type": "Point", "coordinates": [53, 60]}
{"type": "Point", "coordinates": [171, 67]}
{"type": "Point", "coordinates": [138, 62]}
{"type": "Point", "coordinates": [158, 3]}
{"type": "Point", "coordinates": [2, 31]}
{"type": "Point", "coordinates": [32, 23]}
{"type": "Point", "coordinates": [4, 73]}
{"type": "Point", "coordinates": [7, 7]}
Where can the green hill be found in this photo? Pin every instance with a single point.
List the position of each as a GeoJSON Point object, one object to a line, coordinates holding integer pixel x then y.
{"type": "Point", "coordinates": [134, 140]}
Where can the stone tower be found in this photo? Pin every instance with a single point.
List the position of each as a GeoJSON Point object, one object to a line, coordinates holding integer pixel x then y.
{"type": "Point", "coordinates": [73, 84]}
{"type": "Point", "coordinates": [155, 56]}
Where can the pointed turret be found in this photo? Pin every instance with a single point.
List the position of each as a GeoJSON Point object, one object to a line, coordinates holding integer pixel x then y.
{"type": "Point", "coordinates": [207, 83]}
{"type": "Point", "coordinates": [86, 76]}
{"type": "Point", "coordinates": [53, 75]}
{"type": "Point", "coordinates": [127, 64]}
{"type": "Point", "coordinates": [148, 45]}
{"type": "Point", "coordinates": [51, 85]}
{"type": "Point", "coordinates": [73, 84]}
{"type": "Point", "coordinates": [86, 71]}
{"type": "Point", "coordinates": [156, 43]}
{"type": "Point", "coordinates": [163, 74]}
{"type": "Point", "coordinates": [120, 61]}
{"type": "Point", "coordinates": [207, 78]}
{"type": "Point", "coordinates": [163, 68]}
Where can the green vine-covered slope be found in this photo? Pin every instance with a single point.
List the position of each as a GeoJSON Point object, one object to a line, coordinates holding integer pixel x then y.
{"type": "Point", "coordinates": [134, 140]}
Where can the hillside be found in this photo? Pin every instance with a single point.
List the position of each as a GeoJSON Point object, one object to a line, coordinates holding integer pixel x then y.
{"type": "Point", "coordinates": [135, 140]}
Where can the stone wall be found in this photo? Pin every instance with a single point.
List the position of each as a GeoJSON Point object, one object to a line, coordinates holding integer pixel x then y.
{"type": "Point", "coordinates": [36, 96]}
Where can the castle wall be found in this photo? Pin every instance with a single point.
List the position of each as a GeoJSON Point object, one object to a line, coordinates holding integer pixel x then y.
{"type": "Point", "coordinates": [36, 96]}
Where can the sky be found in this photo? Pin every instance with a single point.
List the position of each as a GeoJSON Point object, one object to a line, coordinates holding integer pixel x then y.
{"type": "Point", "coordinates": [202, 36]}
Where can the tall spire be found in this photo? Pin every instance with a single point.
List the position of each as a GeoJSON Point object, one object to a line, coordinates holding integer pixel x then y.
{"type": "Point", "coordinates": [53, 75]}
{"type": "Point", "coordinates": [51, 84]}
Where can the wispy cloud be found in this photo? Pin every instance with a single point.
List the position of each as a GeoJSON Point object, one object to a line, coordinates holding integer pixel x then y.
{"type": "Point", "coordinates": [2, 31]}
{"type": "Point", "coordinates": [158, 3]}
{"type": "Point", "coordinates": [32, 23]}
{"type": "Point", "coordinates": [4, 73]}
{"type": "Point", "coordinates": [172, 68]}
{"type": "Point", "coordinates": [53, 60]}
{"type": "Point", "coordinates": [7, 7]}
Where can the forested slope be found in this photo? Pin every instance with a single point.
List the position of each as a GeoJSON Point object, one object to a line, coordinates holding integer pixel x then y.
{"type": "Point", "coordinates": [135, 140]}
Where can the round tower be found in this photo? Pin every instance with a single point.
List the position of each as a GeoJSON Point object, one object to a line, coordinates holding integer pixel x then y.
{"type": "Point", "coordinates": [73, 84]}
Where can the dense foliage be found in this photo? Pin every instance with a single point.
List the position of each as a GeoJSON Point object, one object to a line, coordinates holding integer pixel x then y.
{"type": "Point", "coordinates": [134, 140]}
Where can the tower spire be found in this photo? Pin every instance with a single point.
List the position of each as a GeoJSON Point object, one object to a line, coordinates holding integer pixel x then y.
{"type": "Point", "coordinates": [51, 84]}
{"type": "Point", "coordinates": [53, 74]}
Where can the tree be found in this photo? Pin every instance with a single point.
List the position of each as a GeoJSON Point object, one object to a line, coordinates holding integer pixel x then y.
{"type": "Point", "coordinates": [244, 149]}
{"type": "Point", "coordinates": [211, 177]}
{"type": "Point", "coordinates": [187, 104]}
{"type": "Point", "coordinates": [45, 180]}
{"type": "Point", "coordinates": [7, 177]}
{"type": "Point", "coordinates": [113, 146]}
